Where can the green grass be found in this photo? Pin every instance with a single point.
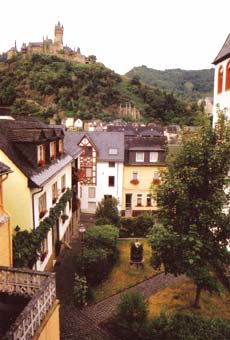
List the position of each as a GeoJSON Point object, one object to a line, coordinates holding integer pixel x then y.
{"type": "Point", "coordinates": [123, 275]}
{"type": "Point", "coordinates": [180, 297]}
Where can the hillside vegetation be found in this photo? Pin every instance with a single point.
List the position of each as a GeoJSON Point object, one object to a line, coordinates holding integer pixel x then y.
{"type": "Point", "coordinates": [188, 85]}
{"type": "Point", "coordinates": [43, 85]}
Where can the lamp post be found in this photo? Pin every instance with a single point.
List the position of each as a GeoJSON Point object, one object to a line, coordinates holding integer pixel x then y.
{"type": "Point", "coordinates": [82, 231]}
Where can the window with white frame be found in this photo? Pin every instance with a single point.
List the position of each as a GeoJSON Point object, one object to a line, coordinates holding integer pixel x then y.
{"type": "Point", "coordinates": [91, 192]}
{"type": "Point", "coordinates": [63, 183]}
{"type": "Point", "coordinates": [88, 172]}
{"type": "Point", "coordinates": [153, 157]}
{"type": "Point", "coordinates": [113, 151]}
{"type": "Point", "coordinates": [139, 156]}
{"type": "Point", "coordinates": [134, 174]}
{"type": "Point", "coordinates": [139, 200]}
{"type": "Point", "coordinates": [54, 192]}
{"type": "Point", "coordinates": [61, 146]}
{"type": "Point", "coordinates": [52, 150]}
{"type": "Point", "coordinates": [149, 200]}
{"type": "Point", "coordinates": [42, 206]}
{"type": "Point", "coordinates": [41, 154]}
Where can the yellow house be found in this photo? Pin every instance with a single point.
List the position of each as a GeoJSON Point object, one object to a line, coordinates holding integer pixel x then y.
{"type": "Point", "coordinates": [31, 322]}
{"type": "Point", "coordinates": [144, 161]}
{"type": "Point", "coordinates": [5, 231]}
{"type": "Point", "coordinates": [42, 174]}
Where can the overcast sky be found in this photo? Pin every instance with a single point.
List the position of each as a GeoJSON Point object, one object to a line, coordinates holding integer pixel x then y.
{"type": "Point", "coordinates": [161, 34]}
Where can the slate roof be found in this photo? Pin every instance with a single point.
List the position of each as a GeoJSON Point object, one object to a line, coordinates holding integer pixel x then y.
{"type": "Point", "coordinates": [224, 52]}
{"type": "Point", "coordinates": [4, 169]}
{"type": "Point", "coordinates": [146, 143]}
{"type": "Point", "coordinates": [18, 137]}
{"type": "Point", "coordinates": [130, 130]}
{"type": "Point", "coordinates": [103, 141]}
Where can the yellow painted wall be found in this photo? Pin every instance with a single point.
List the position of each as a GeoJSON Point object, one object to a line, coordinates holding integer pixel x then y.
{"type": "Point", "coordinates": [5, 241]}
{"type": "Point", "coordinates": [50, 327]}
{"type": "Point", "coordinates": [17, 196]}
{"type": "Point", "coordinates": [145, 177]}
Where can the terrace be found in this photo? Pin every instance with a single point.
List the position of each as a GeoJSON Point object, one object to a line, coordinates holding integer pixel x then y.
{"type": "Point", "coordinates": [26, 297]}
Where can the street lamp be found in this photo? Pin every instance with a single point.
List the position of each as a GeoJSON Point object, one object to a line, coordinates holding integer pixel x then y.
{"type": "Point", "coordinates": [82, 231]}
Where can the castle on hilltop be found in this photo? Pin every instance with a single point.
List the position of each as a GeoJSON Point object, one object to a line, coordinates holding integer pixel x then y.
{"type": "Point", "coordinates": [48, 46]}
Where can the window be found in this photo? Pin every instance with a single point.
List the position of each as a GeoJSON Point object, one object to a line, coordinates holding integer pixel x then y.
{"type": "Point", "coordinates": [149, 200]}
{"type": "Point", "coordinates": [135, 174]}
{"type": "Point", "coordinates": [111, 164]}
{"type": "Point", "coordinates": [107, 197]}
{"type": "Point", "coordinates": [220, 79]}
{"type": "Point", "coordinates": [88, 151]}
{"type": "Point", "coordinates": [63, 183]}
{"type": "Point", "coordinates": [156, 175]}
{"type": "Point", "coordinates": [53, 150]}
{"type": "Point", "coordinates": [42, 207]}
{"type": "Point", "coordinates": [61, 146]}
{"type": "Point", "coordinates": [153, 157]}
{"type": "Point", "coordinates": [92, 192]}
{"type": "Point", "coordinates": [111, 181]}
{"type": "Point", "coordinates": [54, 192]}
{"type": "Point", "coordinates": [44, 249]}
{"type": "Point", "coordinates": [41, 154]}
{"type": "Point", "coordinates": [113, 151]}
{"type": "Point", "coordinates": [88, 172]}
{"type": "Point", "coordinates": [139, 156]}
{"type": "Point", "coordinates": [139, 200]}
{"type": "Point", "coordinates": [227, 80]}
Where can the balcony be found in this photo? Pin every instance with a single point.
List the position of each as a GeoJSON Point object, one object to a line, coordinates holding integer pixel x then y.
{"type": "Point", "coordinates": [35, 291]}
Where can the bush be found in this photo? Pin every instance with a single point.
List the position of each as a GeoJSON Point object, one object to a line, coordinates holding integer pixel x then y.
{"type": "Point", "coordinates": [105, 237]}
{"type": "Point", "coordinates": [130, 317]}
{"type": "Point", "coordinates": [80, 290]}
{"type": "Point", "coordinates": [185, 326]}
{"type": "Point", "coordinates": [94, 264]}
{"type": "Point", "coordinates": [136, 226]}
{"type": "Point", "coordinates": [107, 212]}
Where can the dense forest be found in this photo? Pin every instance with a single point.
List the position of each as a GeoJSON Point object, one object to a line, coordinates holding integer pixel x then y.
{"type": "Point", "coordinates": [186, 85]}
{"type": "Point", "coordinates": [44, 85]}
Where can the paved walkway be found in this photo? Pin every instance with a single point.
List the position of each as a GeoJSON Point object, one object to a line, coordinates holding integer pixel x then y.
{"type": "Point", "coordinates": [84, 324]}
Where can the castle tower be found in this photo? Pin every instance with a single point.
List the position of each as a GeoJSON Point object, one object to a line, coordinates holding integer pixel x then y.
{"type": "Point", "coordinates": [58, 34]}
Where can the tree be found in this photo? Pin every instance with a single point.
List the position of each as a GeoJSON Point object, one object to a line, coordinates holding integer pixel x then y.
{"type": "Point", "coordinates": [107, 212]}
{"type": "Point", "coordinates": [194, 234]}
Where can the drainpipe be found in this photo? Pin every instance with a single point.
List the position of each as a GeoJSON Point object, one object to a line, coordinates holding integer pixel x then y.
{"type": "Point", "coordinates": [35, 193]}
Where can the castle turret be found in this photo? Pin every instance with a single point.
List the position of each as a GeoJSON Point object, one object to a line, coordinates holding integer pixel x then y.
{"type": "Point", "coordinates": [58, 33]}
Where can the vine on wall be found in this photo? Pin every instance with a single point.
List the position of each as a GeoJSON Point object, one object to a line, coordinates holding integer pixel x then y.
{"type": "Point", "coordinates": [27, 244]}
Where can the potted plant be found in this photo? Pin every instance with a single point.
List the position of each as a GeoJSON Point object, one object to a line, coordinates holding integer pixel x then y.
{"type": "Point", "coordinates": [41, 162]}
{"type": "Point", "coordinates": [43, 256]}
{"type": "Point", "coordinates": [64, 217]}
{"type": "Point", "coordinates": [63, 189]}
{"type": "Point", "coordinates": [42, 213]}
{"type": "Point", "coordinates": [54, 200]}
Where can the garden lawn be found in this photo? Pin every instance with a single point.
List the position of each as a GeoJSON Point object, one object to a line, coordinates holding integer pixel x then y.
{"type": "Point", "coordinates": [180, 297]}
{"type": "Point", "coordinates": [123, 275]}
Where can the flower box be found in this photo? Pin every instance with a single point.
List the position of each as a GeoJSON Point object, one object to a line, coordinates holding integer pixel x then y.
{"type": "Point", "coordinates": [63, 189]}
{"type": "Point", "coordinates": [156, 181]}
{"type": "Point", "coordinates": [41, 162]}
{"type": "Point", "coordinates": [134, 181]}
{"type": "Point", "coordinates": [54, 200]}
{"type": "Point", "coordinates": [52, 157]}
{"type": "Point", "coordinates": [43, 256]}
{"type": "Point", "coordinates": [64, 217]}
{"type": "Point", "coordinates": [42, 213]}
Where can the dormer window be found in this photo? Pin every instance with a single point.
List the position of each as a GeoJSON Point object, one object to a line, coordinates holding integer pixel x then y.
{"type": "Point", "coordinates": [53, 153]}
{"type": "Point", "coordinates": [61, 146]}
{"type": "Point", "coordinates": [139, 156]}
{"type": "Point", "coordinates": [41, 154]}
{"type": "Point", "coordinates": [153, 157]}
{"type": "Point", "coordinates": [113, 151]}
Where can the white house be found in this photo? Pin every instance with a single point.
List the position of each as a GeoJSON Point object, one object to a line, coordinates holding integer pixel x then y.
{"type": "Point", "coordinates": [222, 81]}
{"type": "Point", "coordinates": [100, 173]}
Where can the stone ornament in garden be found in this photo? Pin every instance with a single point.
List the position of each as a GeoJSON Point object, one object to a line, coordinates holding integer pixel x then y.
{"type": "Point", "coordinates": [136, 253]}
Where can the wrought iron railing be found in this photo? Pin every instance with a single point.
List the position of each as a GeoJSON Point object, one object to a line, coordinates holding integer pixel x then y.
{"type": "Point", "coordinates": [40, 286]}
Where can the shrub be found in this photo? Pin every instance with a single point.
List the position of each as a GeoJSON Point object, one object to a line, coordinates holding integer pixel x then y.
{"type": "Point", "coordinates": [107, 210]}
{"type": "Point", "coordinates": [130, 317]}
{"type": "Point", "coordinates": [136, 226]}
{"type": "Point", "coordinates": [80, 290]}
{"type": "Point", "coordinates": [94, 264]}
{"type": "Point", "coordinates": [105, 237]}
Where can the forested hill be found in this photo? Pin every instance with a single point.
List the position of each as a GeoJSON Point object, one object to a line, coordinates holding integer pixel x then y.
{"type": "Point", "coordinates": [43, 85]}
{"type": "Point", "coordinates": [188, 85]}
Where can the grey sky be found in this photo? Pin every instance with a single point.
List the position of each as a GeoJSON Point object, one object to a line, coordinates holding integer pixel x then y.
{"type": "Point", "coordinates": [160, 34]}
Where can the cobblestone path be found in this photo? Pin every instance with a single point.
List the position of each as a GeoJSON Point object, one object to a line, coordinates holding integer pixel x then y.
{"type": "Point", "coordinates": [84, 324]}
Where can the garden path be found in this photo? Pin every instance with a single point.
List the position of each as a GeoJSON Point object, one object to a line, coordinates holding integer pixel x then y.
{"type": "Point", "coordinates": [83, 324]}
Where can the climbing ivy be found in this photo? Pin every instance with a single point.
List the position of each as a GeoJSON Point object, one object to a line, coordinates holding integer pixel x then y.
{"type": "Point", "coordinates": [27, 244]}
